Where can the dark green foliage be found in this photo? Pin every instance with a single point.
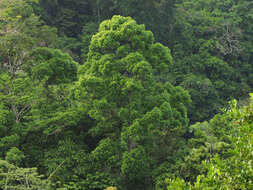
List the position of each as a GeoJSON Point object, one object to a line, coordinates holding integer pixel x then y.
{"type": "Point", "coordinates": [210, 56]}
{"type": "Point", "coordinates": [14, 156]}
{"type": "Point", "coordinates": [135, 164]}
{"type": "Point", "coordinates": [53, 66]}
{"type": "Point", "coordinates": [67, 16]}
{"type": "Point", "coordinates": [156, 15]}
{"type": "Point", "coordinates": [120, 120]}
{"type": "Point", "coordinates": [88, 31]}
{"type": "Point", "coordinates": [70, 17]}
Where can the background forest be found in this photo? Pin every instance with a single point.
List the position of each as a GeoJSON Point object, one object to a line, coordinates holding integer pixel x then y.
{"type": "Point", "coordinates": [126, 94]}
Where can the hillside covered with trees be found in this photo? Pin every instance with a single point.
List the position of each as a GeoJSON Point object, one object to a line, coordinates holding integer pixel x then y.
{"type": "Point", "coordinates": [126, 94]}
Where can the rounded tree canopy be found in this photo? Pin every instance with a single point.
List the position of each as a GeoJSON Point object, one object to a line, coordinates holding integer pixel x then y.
{"type": "Point", "coordinates": [121, 40]}
{"type": "Point", "coordinates": [53, 66]}
{"type": "Point", "coordinates": [127, 76]}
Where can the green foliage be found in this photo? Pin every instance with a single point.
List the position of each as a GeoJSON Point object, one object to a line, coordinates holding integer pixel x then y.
{"type": "Point", "coordinates": [53, 65]}
{"type": "Point", "coordinates": [211, 60]}
{"type": "Point", "coordinates": [126, 84]}
{"type": "Point", "coordinates": [235, 171]}
{"type": "Point", "coordinates": [135, 164]}
{"type": "Point", "coordinates": [210, 41]}
{"type": "Point", "coordinates": [14, 156]}
{"type": "Point", "coordinates": [20, 31]}
{"type": "Point", "coordinates": [16, 96]}
{"type": "Point", "coordinates": [118, 121]}
{"type": "Point", "coordinates": [209, 138]}
{"type": "Point", "coordinates": [158, 16]}
{"type": "Point", "coordinates": [12, 177]}
{"type": "Point", "coordinates": [67, 16]}
{"type": "Point", "coordinates": [88, 31]}
{"type": "Point", "coordinates": [61, 161]}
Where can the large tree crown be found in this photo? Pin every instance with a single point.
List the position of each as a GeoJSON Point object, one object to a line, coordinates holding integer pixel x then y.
{"type": "Point", "coordinates": [123, 46]}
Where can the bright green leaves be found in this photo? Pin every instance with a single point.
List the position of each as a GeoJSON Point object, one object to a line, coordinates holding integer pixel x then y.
{"type": "Point", "coordinates": [231, 168]}
{"type": "Point", "coordinates": [14, 11]}
{"type": "Point", "coordinates": [16, 93]}
{"type": "Point", "coordinates": [12, 177]}
{"type": "Point", "coordinates": [16, 97]}
{"type": "Point", "coordinates": [20, 31]}
{"type": "Point", "coordinates": [156, 15]}
{"type": "Point", "coordinates": [131, 101]}
{"type": "Point", "coordinates": [118, 32]}
{"type": "Point", "coordinates": [123, 124]}
{"type": "Point", "coordinates": [137, 67]}
{"type": "Point", "coordinates": [93, 84]}
{"type": "Point", "coordinates": [34, 93]}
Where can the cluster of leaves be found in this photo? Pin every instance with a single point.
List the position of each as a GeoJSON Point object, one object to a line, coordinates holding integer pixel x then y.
{"type": "Point", "coordinates": [13, 177]}
{"type": "Point", "coordinates": [235, 171]}
{"type": "Point", "coordinates": [212, 49]}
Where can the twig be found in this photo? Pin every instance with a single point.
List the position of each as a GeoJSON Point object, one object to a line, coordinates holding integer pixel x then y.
{"type": "Point", "coordinates": [51, 175]}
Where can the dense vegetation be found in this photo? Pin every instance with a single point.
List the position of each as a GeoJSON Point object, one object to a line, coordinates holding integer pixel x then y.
{"type": "Point", "coordinates": [90, 100]}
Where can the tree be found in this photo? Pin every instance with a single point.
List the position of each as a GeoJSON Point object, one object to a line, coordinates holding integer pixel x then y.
{"type": "Point", "coordinates": [208, 47]}
{"type": "Point", "coordinates": [13, 177]}
{"type": "Point", "coordinates": [125, 81]}
{"type": "Point", "coordinates": [235, 171]}
{"type": "Point", "coordinates": [29, 76]}
{"type": "Point", "coordinates": [20, 32]}
{"type": "Point", "coordinates": [208, 139]}
{"type": "Point", "coordinates": [53, 65]}
{"type": "Point", "coordinates": [51, 111]}
{"type": "Point", "coordinates": [68, 16]}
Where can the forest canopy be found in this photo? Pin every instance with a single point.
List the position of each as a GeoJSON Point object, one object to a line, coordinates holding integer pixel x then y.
{"type": "Point", "coordinates": [126, 94]}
